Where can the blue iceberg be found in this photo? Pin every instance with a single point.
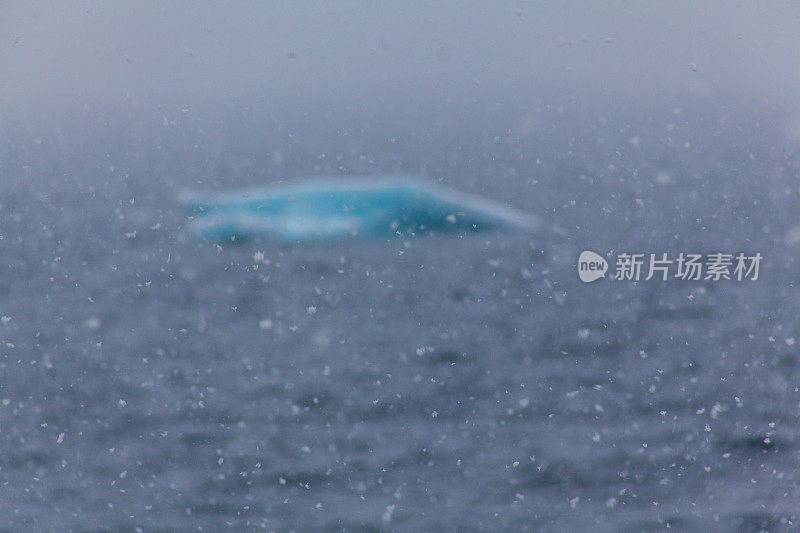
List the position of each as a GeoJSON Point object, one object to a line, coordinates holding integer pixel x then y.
{"type": "Point", "coordinates": [336, 208]}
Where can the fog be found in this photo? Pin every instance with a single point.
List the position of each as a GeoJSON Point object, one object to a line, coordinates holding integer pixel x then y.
{"type": "Point", "coordinates": [299, 58]}
{"type": "Point", "coordinates": [418, 376]}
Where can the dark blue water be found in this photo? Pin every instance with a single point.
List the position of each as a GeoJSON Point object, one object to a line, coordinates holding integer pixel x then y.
{"type": "Point", "coordinates": [469, 382]}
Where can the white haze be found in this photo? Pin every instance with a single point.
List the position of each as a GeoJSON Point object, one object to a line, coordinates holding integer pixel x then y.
{"type": "Point", "coordinates": [299, 56]}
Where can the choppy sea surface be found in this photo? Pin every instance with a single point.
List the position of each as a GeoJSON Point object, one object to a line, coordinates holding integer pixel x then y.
{"type": "Point", "coordinates": [471, 382]}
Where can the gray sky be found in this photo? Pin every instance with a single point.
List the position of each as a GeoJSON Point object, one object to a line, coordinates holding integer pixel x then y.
{"type": "Point", "coordinates": [290, 54]}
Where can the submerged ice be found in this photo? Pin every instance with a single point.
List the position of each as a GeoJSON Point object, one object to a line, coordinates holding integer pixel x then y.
{"type": "Point", "coordinates": [335, 208]}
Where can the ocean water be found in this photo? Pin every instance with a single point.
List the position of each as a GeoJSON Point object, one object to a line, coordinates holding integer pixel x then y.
{"type": "Point", "coordinates": [152, 381]}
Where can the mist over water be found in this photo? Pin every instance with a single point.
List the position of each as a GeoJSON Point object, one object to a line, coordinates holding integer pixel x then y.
{"type": "Point", "coordinates": [151, 380]}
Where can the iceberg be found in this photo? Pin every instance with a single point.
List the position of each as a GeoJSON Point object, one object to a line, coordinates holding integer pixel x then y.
{"type": "Point", "coordinates": [331, 208]}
